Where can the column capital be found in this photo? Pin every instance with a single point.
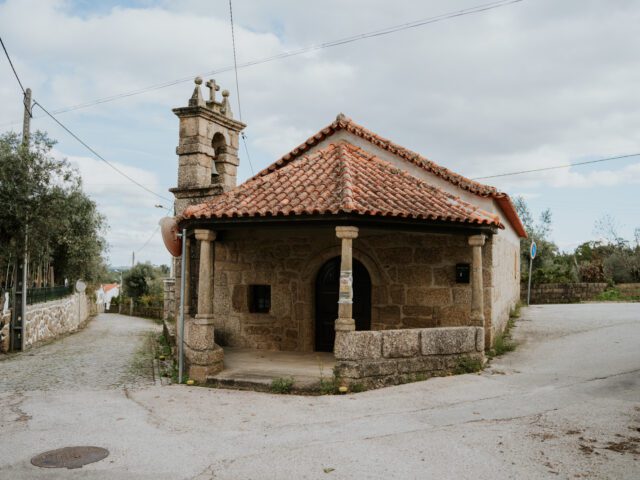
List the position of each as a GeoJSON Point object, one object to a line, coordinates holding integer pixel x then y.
{"type": "Point", "coordinates": [204, 234]}
{"type": "Point", "coordinates": [477, 240]}
{"type": "Point", "coordinates": [347, 232]}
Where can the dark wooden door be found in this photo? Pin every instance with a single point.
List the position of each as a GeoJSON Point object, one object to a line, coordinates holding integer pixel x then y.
{"type": "Point", "coordinates": [327, 284]}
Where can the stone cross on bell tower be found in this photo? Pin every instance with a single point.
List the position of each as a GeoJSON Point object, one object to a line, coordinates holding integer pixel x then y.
{"type": "Point", "coordinates": [207, 147]}
{"type": "Point", "coordinates": [213, 88]}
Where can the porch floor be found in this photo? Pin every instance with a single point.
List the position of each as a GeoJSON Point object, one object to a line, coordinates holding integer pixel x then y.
{"type": "Point", "coordinates": [249, 368]}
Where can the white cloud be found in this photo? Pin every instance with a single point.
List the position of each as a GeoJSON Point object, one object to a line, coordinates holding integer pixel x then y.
{"type": "Point", "coordinates": [534, 84]}
{"type": "Point", "coordinates": [130, 211]}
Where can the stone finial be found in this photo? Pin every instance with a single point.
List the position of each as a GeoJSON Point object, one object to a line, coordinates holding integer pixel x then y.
{"type": "Point", "coordinates": [226, 105]}
{"type": "Point", "coordinates": [213, 88]}
{"type": "Point", "coordinates": [340, 117]}
{"type": "Point", "coordinates": [196, 99]}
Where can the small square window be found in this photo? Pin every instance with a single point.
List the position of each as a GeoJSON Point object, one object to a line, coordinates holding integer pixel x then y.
{"type": "Point", "coordinates": [462, 272]}
{"type": "Point", "coordinates": [259, 298]}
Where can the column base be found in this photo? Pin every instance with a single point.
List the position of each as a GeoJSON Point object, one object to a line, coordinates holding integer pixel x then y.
{"type": "Point", "coordinates": [204, 363]}
{"type": "Point", "coordinates": [203, 319]}
{"type": "Point", "coordinates": [199, 373]}
{"type": "Point", "coordinates": [345, 325]}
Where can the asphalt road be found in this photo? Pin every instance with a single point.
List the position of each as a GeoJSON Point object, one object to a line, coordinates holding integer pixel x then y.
{"type": "Point", "coordinates": [565, 404]}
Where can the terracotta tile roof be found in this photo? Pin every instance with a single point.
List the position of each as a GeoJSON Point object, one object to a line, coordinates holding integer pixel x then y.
{"type": "Point", "coordinates": [340, 178]}
{"type": "Point", "coordinates": [109, 286]}
{"type": "Point", "coordinates": [344, 123]}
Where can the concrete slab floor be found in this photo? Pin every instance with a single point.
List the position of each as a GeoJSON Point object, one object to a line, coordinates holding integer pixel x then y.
{"type": "Point", "coordinates": [260, 366]}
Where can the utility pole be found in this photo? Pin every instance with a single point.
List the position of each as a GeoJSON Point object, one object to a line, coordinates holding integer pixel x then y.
{"type": "Point", "coordinates": [21, 272]}
{"type": "Point", "coordinates": [133, 263]}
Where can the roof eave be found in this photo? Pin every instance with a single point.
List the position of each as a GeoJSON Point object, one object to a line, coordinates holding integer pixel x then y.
{"type": "Point", "coordinates": [433, 226]}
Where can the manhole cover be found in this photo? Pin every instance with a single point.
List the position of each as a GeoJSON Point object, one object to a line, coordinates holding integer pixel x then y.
{"type": "Point", "coordinates": [69, 457]}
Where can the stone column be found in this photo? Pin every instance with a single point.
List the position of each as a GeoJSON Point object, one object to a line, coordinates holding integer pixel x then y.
{"type": "Point", "coordinates": [187, 275]}
{"type": "Point", "coordinates": [205, 274]}
{"type": "Point", "coordinates": [204, 357]}
{"type": "Point", "coordinates": [345, 322]}
{"type": "Point", "coordinates": [477, 295]}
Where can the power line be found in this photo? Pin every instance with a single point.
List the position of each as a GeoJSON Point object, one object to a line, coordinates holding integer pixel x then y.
{"type": "Point", "coordinates": [286, 54]}
{"type": "Point", "coordinates": [235, 67]}
{"type": "Point", "coordinates": [12, 67]}
{"type": "Point", "coordinates": [568, 165]}
{"type": "Point", "coordinates": [235, 61]}
{"type": "Point", "coordinates": [98, 155]}
{"type": "Point", "coordinates": [246, 150]}
{"type": "Point", "coordinates": [149, 239]}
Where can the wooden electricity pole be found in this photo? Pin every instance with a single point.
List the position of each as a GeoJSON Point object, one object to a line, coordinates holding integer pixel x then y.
{"type": "Point", "coordinates": [19, 311]}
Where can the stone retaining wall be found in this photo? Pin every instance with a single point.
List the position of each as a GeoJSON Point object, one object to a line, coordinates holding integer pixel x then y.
{"type": "Point", "coordinates": [386, 357]}
{"type": "Point", "coordinates": [629, 289]}
{"type": "Point", "coordinates": [46, 321]}
{"type": "Point", "coordinates": [562, 292]}
{"type": "Point", "coordinates": [5, 325]}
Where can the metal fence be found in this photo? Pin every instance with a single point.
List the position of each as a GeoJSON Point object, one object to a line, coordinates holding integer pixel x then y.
{"type": "Point", "coordinates": [46, 294]}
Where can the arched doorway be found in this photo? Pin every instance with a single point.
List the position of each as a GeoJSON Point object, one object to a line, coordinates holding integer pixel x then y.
{"type": "Point", "coordinates": [327, 283]}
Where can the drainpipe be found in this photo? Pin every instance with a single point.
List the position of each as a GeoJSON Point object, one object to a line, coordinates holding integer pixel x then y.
{"type": "Point", "coordinates": [183, 278]}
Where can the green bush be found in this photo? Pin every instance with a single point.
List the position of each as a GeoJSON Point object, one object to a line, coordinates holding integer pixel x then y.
{"type": "Point", "coordinates": [610, 295]}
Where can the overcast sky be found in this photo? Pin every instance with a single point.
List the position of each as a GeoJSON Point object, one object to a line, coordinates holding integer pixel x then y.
{"type": "Point", "coordinates": [532, 84]}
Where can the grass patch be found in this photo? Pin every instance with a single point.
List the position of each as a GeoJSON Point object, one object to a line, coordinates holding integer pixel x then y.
{"type": "Point", "coordinates": [282, 385]}
{"type": "Point", "coordinates": [412, 378]}
{"type": "Point", "coordinates": [610, 295]}
{"type": "Point", "coordinates": [357, 387]}
{"type": "Point", "coordinates": [468, 365]}
{"type": "Point", "coordinates": [142, 361]}
{"type": "Point", "coordinates": [163, 349]}
{"type": "Point", "coordinates": [503, 342]}
{"type": "Point", "coordinates": [331, 385]}
{"type": "Point", "coordinates": [613, 294]}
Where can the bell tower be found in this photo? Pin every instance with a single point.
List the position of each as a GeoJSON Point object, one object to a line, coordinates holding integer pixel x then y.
{"type": "Point", "coordinates": [207, 147]}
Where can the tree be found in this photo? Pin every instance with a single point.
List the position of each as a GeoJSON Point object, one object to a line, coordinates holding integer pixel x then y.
{"type": "Point", "coordinates": [43, 203]}
{"type": "Point", "coordinates": [549, 266]}
{"type": "Point", "coordinates": [138, 280]}
{"type": "Point", "coordinates": [144, 283]}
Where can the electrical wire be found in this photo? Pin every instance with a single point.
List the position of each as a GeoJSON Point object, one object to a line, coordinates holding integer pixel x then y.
{"type": "Point", "coordinates": [84, 144]}
{"type": "Point", "coordinates": [286, 54]}
{"type": "Point", "coordinates": [12, 67]}
{"type": "Point", "coordinates": [149, 239]}
{"type": "Point", "coordinates": [235, 60]}
{"type": "Point", "coordinates": [235, 67]}
{"type": "Point", "coordinates": [556, 167]}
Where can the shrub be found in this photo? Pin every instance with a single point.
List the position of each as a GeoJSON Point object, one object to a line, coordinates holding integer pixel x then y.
{"type": "Point", "coordinates": [610, 295]}
{"type": "Point", "coordinates": [282, 385]}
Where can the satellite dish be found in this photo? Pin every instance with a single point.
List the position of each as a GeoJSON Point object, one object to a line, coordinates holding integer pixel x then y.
{"type": "Point", "coordinates": [80, 286]}
{"type": "Point", "coordinates": [169, 229]}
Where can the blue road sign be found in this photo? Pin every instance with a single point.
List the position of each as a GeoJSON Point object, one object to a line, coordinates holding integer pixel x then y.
{"type": "Point", "coordinates": [534, 250]}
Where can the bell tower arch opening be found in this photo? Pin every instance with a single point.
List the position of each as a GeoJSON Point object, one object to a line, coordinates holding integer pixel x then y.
{"type": "Point", "coordinates": [207, 147]}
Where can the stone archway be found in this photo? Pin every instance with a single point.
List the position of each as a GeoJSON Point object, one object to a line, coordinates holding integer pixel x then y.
{"type": "Point", "coordinates": [326, 301]}
{"type": "Point", "coordinates": [379, 281]}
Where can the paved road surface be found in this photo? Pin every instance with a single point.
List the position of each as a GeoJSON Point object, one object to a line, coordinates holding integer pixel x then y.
{"type": "Point", "coordinates": [565, 404]}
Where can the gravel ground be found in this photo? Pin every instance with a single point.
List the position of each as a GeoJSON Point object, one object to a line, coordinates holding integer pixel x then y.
{"type": "Point", "coordinates": [101, 356]}
{"type": "Point", "coordinates": [565, 404]}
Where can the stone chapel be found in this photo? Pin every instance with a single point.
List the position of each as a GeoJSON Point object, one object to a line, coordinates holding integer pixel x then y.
{"type": "Point", "coordinates": [348, 243]}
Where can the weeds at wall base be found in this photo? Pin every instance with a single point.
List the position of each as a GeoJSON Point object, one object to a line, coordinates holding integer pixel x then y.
{"type": "Point", "coordinates": [282, 385]}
